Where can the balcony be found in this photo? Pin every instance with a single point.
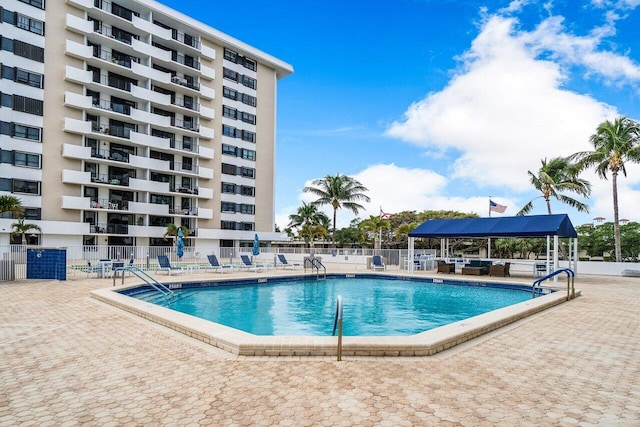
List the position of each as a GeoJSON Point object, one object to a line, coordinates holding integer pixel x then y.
{"type": "Point", "coordinates": [79, 25]}
{"type": "Point", "coordinates": [150, 186]}
{"type": "Point", "coordinates": [205, 173]}
{"type": "Point", "coordinates": [208, 92]}
{"type": "Point", "coordinates": [77, 75]}
{"type": "Point", "coordinates": [150, 95]}
{"type": "Point", "coordinates": [75, 177]}
{"type": "Point", "coordinates": [151, 28]}
{"type": "Point", "coordinates": [186, 83]}
{"type": "Point", "coordinates": [76, 100]}
{"type": "Point", "coordinates": [148, 163]}
{"type": "Point", "coordinates": [152, 51]}
{"type": "Point", "coordinates": [208, 113]}
{"type": "Point", "coordinates": [153, 119]}
{"type": "Point", "coordinates": [208, 52]}
{"type": "Point", "coordinates": [77, 126]}
{"type": "Point", "coordinates": [71, 151]}
{"type": "Point", "coordinates": [78, 50]}
{"type": "Point", "coordinates": [75, 202]}
{"type": "Point", "coordinates": [206, 132]}
{"type": "Point", "coordinates": [207, 72]}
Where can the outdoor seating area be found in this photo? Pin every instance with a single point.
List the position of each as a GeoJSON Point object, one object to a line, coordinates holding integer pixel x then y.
{"type": "Point", "coordinates": [476, 268]}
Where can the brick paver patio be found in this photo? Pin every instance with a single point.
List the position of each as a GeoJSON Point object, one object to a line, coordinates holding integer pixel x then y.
{"type": "Point", "coordinates": [67, 359]}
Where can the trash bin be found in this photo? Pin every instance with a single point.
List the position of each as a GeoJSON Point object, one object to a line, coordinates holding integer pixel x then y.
{"type": "Point", "coordinates": [7, 271]}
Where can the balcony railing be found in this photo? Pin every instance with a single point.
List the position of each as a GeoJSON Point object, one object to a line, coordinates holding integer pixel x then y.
{"type": "Point", "coordinates": [185, 124]}
{"type": "Point", "coordinates": [191, 105]}
{"type": "Point", "coordinates": [186, 83]}
{"type": "Point", "coordinates": [185, 38]}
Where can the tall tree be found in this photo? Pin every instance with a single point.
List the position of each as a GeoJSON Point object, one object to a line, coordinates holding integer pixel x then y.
{"type": "Point", "coordinates": [308, 214]}
{"type": "Point", "coordinates": [615, 143]}
{"type": "Point", "coordinates": [339, 191]}
{"type": "Point", "coordinates": [21, 228]}
{"type": "Point", "coordinates": [554, 177]}
{"type": "Point", "coordinates": [373, 226]}
{"type": "Point", "coordinates": [10, 204]}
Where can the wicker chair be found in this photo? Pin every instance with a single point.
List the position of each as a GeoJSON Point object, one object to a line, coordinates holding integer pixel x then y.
{"type": "Point", "coordinates": [500, 270]}
{"type": "Point", "coordinates": [445, 267]}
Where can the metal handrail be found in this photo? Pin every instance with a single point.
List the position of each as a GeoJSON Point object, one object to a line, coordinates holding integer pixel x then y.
{"type": "Point", "coordinates": [142, 275]}
{"type": "Point", "coordinates": [337, 322]}
{"type": "Point", "coordinates": [571, 292]}
{"type": "Point", "coordinates": [315, 263]}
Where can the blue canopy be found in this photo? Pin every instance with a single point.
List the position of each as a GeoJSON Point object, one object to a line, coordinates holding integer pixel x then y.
{"type": "Point", "coordinates": [511, 226]}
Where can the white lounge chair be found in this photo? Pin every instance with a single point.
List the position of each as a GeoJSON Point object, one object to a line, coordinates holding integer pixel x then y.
{"type": "Point", "coordinates": [377, 264]}
{"type": "Point", "coordinates": [286, 264]}
{"type": "Point", "coordinates": [252, 266]}
{"type": "Point", "coordinates": [165, 265]}
{"type": "Point", "coordinates": [216, 266]}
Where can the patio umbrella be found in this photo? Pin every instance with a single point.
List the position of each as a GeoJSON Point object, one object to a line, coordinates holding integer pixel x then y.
{"type": "Point", "coordinates": [180, 243]}
{"type": "Point", "coordinates": [256, 245]}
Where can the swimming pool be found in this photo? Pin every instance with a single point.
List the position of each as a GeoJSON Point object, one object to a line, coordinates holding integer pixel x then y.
{"type": "Point", "coordinates": [246, 344]}
{"type": "Point", "coordinates": [373, 306]}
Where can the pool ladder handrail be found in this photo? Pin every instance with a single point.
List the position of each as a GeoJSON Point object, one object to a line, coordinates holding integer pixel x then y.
{"type": "Point", "coordinates": [337, 322]}
{"type": "Point", "coordinates": [315, 263]}
{"type": "Point", "coordinates": [146, 278]}
{"type": "Point", "coordinates": [571, 291]}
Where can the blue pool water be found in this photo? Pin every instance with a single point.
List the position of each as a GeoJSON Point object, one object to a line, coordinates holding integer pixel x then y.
{"type": "Point", "coordinates": [372, 306]}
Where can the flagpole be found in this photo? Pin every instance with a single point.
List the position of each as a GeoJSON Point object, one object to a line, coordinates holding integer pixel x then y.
{"type": "Point", "coordinates": [489, 206]}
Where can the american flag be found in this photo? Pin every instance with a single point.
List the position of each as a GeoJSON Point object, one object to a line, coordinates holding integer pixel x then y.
{"type": "Point", "coordinates": [494, 207]}
{"type": "Point", "coordinates": [384, 215]}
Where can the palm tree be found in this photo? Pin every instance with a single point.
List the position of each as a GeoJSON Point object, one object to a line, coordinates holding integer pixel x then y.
{"type": "Point", "coordinates": [307, 214]}
{"type": "Point", "coordinates": [554, 177]}
{"type": "Point", "coordinates": [172, 231]}
{"type": "Point", "coordinates": [614, 143]}
{"type": "Point", "coordinates": [339, 191]}
{"type": "Point", "coordinates": [10, 204]}
{"type": "Point", "coordinates": [21, 228]}
{"type": "Point", "coordinates": [374, 225]}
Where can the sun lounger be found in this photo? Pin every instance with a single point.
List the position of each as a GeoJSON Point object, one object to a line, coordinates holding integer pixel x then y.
{"type": "Point", "coordinates": [286, 264]}
{"type": "Point", "coordinates": [248, 264]}
{"type": "Point", "coordinates": [216, 266]}
{"type": "Point", "coordinates": [377, 264]}
{"type": "Point", "coordinates": [165, 265]}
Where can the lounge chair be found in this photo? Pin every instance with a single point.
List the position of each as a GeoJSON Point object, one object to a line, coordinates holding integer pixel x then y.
{"type": "Point", "coordinates": [445, 267]}
{"type": "Point", "coordinates": [93, 269]}
{"type": "Point", "coordinates": [286, 264]}
{"type": "Point", "coordinates": [250, 265]}
{"type": "Point", "coordinates": [165, 265]}
{"type": "Point", "coordinates": [216, 266]}
{"type": "Point", "coordinates": [500, 270]}
{"type": "Point", "coordinates": [377, 264]}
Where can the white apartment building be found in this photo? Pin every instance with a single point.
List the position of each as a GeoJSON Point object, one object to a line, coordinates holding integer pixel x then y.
{"type": "Point", "coordinates": [120, 118]}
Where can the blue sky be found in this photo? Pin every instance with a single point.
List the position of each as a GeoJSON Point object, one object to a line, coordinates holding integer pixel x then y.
{"type": "Point", "coordinates": [439, 104]}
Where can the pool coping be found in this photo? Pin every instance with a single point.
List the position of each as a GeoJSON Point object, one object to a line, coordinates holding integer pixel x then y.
{"type": "Point", "coordinates": [245, 344]}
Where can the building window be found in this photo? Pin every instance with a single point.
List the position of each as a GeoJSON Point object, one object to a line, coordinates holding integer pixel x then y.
{"type": "Point", "coordinates": [234, 57]}
{"type": "Point", "coordinates": [248, 118]}
{"type": "Point", "coordinates": [229, 150]}
{"type": "Point", "coordinates": [248, 136]}
{"type": "Point", "coordinates": [229, 112]}
{"type": "Point", "coordinates": [26, 132]}
{"type": "Point", "coordinates": [228, 207]}
{"type": "Point", "coordinates": [229, 131]}
{"type": "Point", "coordinates": [228, 188]}
{"type": "Point", "coordinates": [28, 78]}
{"type": "Point", "coordinates": [245, 190]}
{"type": "Point", "coordinates": [23, 49]}
{"type": "Point", "coordinates": [35, 3]}
{"type": "Point", "coordinates": [26, 187]}
{"type": "Point", "coordinates": [248, 172]}
{"type": "Point", "coordinates": [247, 209]}
{"type": "Point", "coordinates": [248, 154]}
{"type": "Point", "coordinates": [26, 159]}
{"type": "Point", "coordinates": [229, 93]}
{"type": "Point", "coordinates": [246, 226]}
{"type": "Point", "coordinates": [27, 105]}
{"type": "Point", "coordinates": [229, 169]}
{"type": "Point", "coordinates": [249, 100]}
{"type": "Point", "coordinates": [249, 82]}
{"type": "Point", "coordinates": [30, 24]}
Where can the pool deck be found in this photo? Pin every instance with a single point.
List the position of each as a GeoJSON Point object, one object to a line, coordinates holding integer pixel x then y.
{"type": "Point", "coordinates": [68, 359]}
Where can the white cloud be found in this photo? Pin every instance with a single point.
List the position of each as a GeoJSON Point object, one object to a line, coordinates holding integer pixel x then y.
{"type": "Point", "coordinates": [504, 111]}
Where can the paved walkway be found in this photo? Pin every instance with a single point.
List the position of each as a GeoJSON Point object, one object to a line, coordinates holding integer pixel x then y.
{"type": "Point", "coordinates": [67, 359]}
